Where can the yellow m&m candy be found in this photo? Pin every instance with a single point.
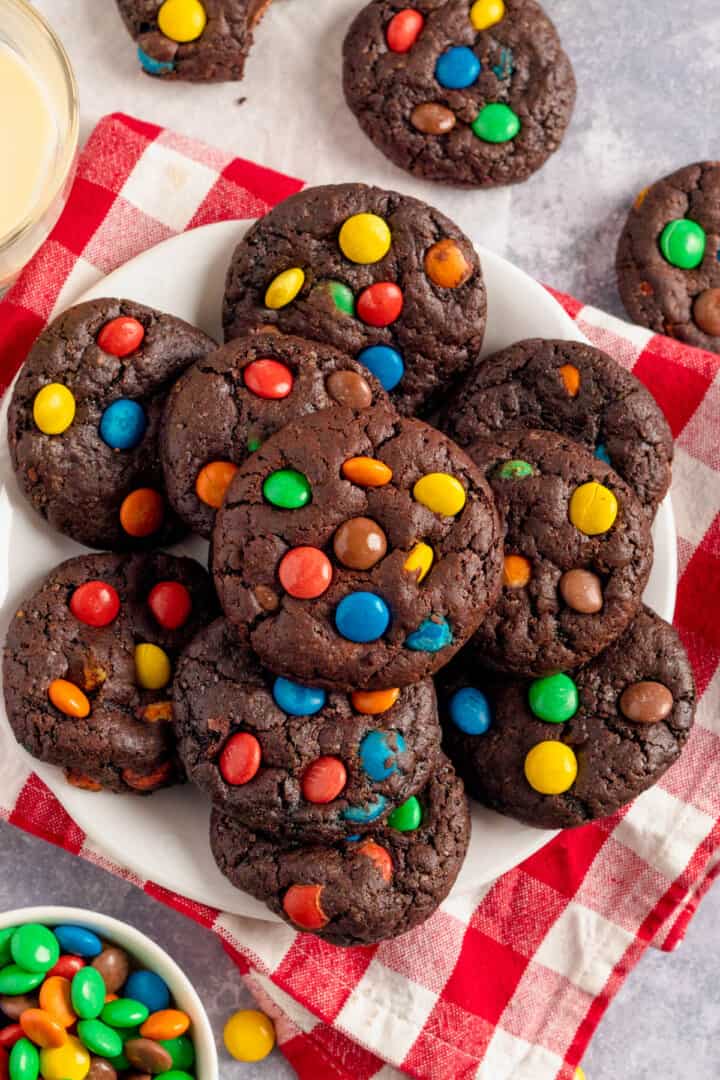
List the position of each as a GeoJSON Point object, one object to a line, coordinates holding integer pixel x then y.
{"type": "Point", "coordinates": [152, 667]}
{"type": "Point", "coordinates": [579, 1073]}
{"type": "Point", "coordinates": [593, 508]}
{"type": "Point", "coordinates": [419, 561]}
{"type": "Point", "coordinates": [71, 1061]}
{"type": "Point", "coordinates": [283, 289]}
{"type": "Point", "coordinates": [486, 13]}
{"type": "Point", "coordinates": [551, 768]}
{"type": "Point", "coordinates": [365, 238]}
{"type": "Point", "coordinates": [182, 20]}
{"type": "Point", "coordinates": [53, 409]}
{"type": "Point", "coordinates": [441, 493]}
{"type": "Point", "coordinates": [249, 1035]}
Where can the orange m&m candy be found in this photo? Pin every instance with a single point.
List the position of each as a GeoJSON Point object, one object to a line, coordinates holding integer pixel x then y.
{"type": "Point", "coordinates": [55, 996]}
{"type": "Point", "coordinates": [367, 472]}
{"type": "Point", "coordinates": [81, 781]}
{"type": "Point", "coordinates": [374, 702]}
{"type": "Point", "coordinates": [446, 265]}
{"type": "Point", "coordinates": [212, 482]}
{"type": "Point", "coordinates": [68, 698]}
{"type": "Point", "coordinates": [305, 572]}
{"type": "Point", "coordinates": [240, 758]}
{"type": "Point", "coordinates": [516, 571]}
{"type": "Point", "coordinates": [379, 855]}
{"type": "Point", "coordinates": [323, 780]}
{"type": "Point", "coordinates": [268, 379]}
{"type": "Point", "coordinates": [571, 379]}
{"type": "Point", "coordinates": [165, 1024]}
{"type": "Point", "coordinates": [142, 512]}
{"type": "Point", "coordinates": [42, 1029]}
{"type": "Point", "coordinates": [301, 904]}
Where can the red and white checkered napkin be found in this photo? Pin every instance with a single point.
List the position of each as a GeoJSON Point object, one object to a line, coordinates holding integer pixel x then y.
{"type": "Point", "coordinates": [511, 985]}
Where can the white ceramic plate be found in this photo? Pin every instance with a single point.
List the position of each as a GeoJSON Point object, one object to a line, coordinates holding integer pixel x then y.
{"type": "Point", "coordinates": [165, 838]}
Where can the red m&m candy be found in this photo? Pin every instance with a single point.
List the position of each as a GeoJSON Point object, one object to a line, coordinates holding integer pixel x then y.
{"type": "Point", "coordinates": [121, 336]}
{"type": "Point", "coordinates": [95, 603]}
{"type": "Point", "coordinates": [305, 572]}
{"type": "Point", "coordinates": [380, 856]}
{"type": "Point", "coordinates": [380, 304]}
{"type": "Point", "coordinates": [268, 379]}
{"type": "Point", "coordinates": [240, 758]}
{"type": "Point", "coordinates": [323, 780]}
{"type": "Point", "coordinates": [67, 966]}
{"type": "Point", "coordinates": [404, 29]}
{"type": "Point", "coordinates": [301, 904]}
{"type": "Point", "coordinates": [170, 603]}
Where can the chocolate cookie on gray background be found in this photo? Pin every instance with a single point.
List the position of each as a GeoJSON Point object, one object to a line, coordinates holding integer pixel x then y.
{"type": "Point", "coordinates": [667, 259]}
{"type": "Point", "coordinates": [79, 693]}
{"type": "Point", "coordinates": [289, 759]}
{"type": "Point", "coordinates": [578, 553]}
{"type": "Point", "coordinates": [356, 892]}
{"type": "Point", "coordinates": [384, 277]}
{"type": "Point", "coordinates": [578, 391]}
{"type": "Point", "coordinates": [198, 40]}
{"type": "Point", "coordinates": [85, 416]}
{"type": "Point", "coordinates": [225, 406]}
{"type": "Point", "coordinates": [569, 749]}
{"type": "Point", "coordinates": [359, 551]}
{"type": "Point", "coordinates": [469, 94]}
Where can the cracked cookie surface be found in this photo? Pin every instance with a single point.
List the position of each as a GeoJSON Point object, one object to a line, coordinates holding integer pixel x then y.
{"type": "Point", "coordinates": [355, 892]}
{"type": "Point", "coordinates": [400, 537]}
{"type": "Point", "coordinates": [125, 742]}
{"type": "Point", "coordinates": [616, 756]}
{"type": "Point", "coordinates": [578, 553]}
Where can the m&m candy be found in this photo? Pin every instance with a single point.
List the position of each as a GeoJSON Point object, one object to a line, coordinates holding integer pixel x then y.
{"type": "Point", "coordinates": [152, 667]}
{"type": "Point", "coordinates": [386, 364]}
{"type": "Point", "coordinates": [593, 508]}
{"type": "Point", "coordinates": [170, 603]}
{"type": "Point", "coordinates": [68, 1062]}
{"type": "Point", "coordinates": [486, 13]}
{"type": "Point", "coordinates": [362, 617]}
{"type": "Point", "coordinates": [154, 66]}
{"type": "Point", "coordinates": [683, 243]}
{"type": "Point", "coordinates": [570, 379]}
{"type": "Point", "coordinates": [182, 20]}
{"type": "Point", "coordinates": [374, 702]}
{"type": "Point", "coordinates": [407, 817]}
{"type": "Point", "coordinates": [349, 388]}
{"type": "Point", "coordinates": [69, 698]}
{"type": "Point", "coordinates": [404, 29]}
{"type": "Point", "coordinates": [240, 759]}
{"type": "Point", "coordinates": [53, 409]}
{"type": "Point", "coordinates": [551, 768]}
{"type": "Point", "coordinates": [470, 711]}
{"type": "Point", "coordinates": [283, 289]}
{"type": "Point", "coordinates": [441, 493]}
{"type": "Point", "coordinates": [34, 948]}
{"type": "Point", "coordinates": [431, 636]}
{"type": "Point", "coordinates": [303, 905]}
{"type": "Point", "coordinates": [359, 543]}
{"type": "Point", "coordinates": [367, 472]}
{"type": "Point", "coordinates": [142, 512]}
{"type": "Point", "coordinates": [419, 561]}
{"type": "Point", "coordinates": [582, 591]}
{"type": "Point", "coordinates": [517, 571]}
{"type": "Point", "coordinates": [323, 780]}
{"type": "Point", "coordinates": [446, 265]}
{"type": "Point", "coordinates": [78, 940]}
{"type": "Point", "coordinates": [554, 699]}
{"type": "Point", "coordinates": [646, 702]}
{"type": "Point", "coordinates": [212, 482]}
{"type": "Point", "coordinates": [24, 1063]}
{"type": "Point", "coordinates": [95, 603]}
{"type": "Point", "coordinates": [121, 336]}
{"type": "Point", "coordinates": [431, 118]}
{"type": "Point", "coordinates": [249, 1035]}
{"type": "Point", "coordinates": [457, 68]}
{"type": "Point", "coordinates": [379, 856]}
{"type": "Point", "coordinates": [268, 379]}
{"type": "Point", "coordinates": [42, 1029]}
{"type": "Point", "coordinates": [305, 572]}
{"type": "Point", "coordinates": [365, 238]}
{"type": "Point", "coordinates": [287, 489]}
{"type": "Point", "coordinates": [87, 993]}
{"type": "Point", "coordinates": [123, 424]}
{"type": "Point", "coordinates": [297, 700]}
{"type": "Point", "coordinates": [378, 757]}
{"type": "Point", "coordinates": [380, 304]}
{"type": "Point", "coordinates": [496, 123]}
{"type": "Point", "coordinates": [340, 294]}
{"type": "Point", "coordinates": [361, 815]}
{"type": "Point", "coordinates": [515, 470]}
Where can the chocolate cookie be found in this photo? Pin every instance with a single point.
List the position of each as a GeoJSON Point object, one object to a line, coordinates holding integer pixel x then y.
{"type": "Point", "coordinates": [198, 40]}
{"type": "Point", "coordinates": [667, 258]}
{"type": "Point", "coordinates": [363, 890]}
{"type": "Point", "coordinates": [226, 405]}
{"type": "Point", "coordinates": [564, 750]}
{"type": "Point", "coordinates": [289, 759]}
{"type": "Point", "coordinates": [578, 553]}
{"type": "Point", "coordinates": [359, 551]}
{"type": "Point", "coordinates": [84, 420]}
{"type": "Point", "coordinates": [578, 391]}
{"type": "Point", "coordinates": [471, 94]}
{"type": "Point", "coordinates": [384, 277]}
{"type": "Point", "coordinates": [88, 666]}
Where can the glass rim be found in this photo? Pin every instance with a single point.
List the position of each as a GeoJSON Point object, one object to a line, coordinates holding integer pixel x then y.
{"type": "Point", "coordinates": [69, 149]}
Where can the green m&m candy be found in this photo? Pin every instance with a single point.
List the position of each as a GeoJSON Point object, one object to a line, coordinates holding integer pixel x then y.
{"type": "Point", "coordinates": [341, 296]}
{"type": "Point", "coordinates": [24, 1063]}
{"type": "Point", "coordinates": [100, 1039]}
{"type": "Point", "coordinates": [496, 123]}
{"type": "Point", "coordinates": [682, 243]}
{"type": "Point", "coordinates": [87, 993]}
{"type": "Point", "coordinates": [407, 817]}
{"type": "Point", "coordinates": [15, 980]}
{"type": "Point", "coordinates": [5, 936]}
{"type": "Point", "coordinates": [554, 698]}
{"type": "Point", "coordinates": [177, 1074]}
{"type": "Point", "coordinates": [515, 469]}
{"type": "Point", "coordinates": [35, 948]}
{"type": "Point", "coordinates": [124, 1013]}
{"type": "Point", "coordinates": [287, 489]}
{"type": "Point", "coordinates": [181, 1050]}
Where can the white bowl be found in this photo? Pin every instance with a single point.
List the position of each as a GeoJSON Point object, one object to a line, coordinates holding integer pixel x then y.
{"type": "Point", "coordinates": [149, 955]}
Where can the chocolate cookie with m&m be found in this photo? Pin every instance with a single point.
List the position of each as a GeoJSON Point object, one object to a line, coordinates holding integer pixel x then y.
{"type": "Point", "coordinates": [197, 40]}
{"type": "Point", "coordinates": [85, 417]}
{"type": "Point", "coordinates": [564, 750]}
{"type": "Point", "coordinates": [578, 553]}
{"type": "Point", "coordinates": [578, 391]}
{"type": "Point", "coordinates": [358, 550]}
{"type": "Point", "coordinates": [381, 276]}
{"type": "Point", "coordinates": [668, 257]}
{"type": "Point", "coordinates": [470, 94]}
{"type": "Point", "coordinates": [225, 406]}
{"type": "Point", "coordinates": [292, 759]}
{"type": "Point", "coordinates": [359, 890]}
{"type": "Point", "coordinates": [89, 662]}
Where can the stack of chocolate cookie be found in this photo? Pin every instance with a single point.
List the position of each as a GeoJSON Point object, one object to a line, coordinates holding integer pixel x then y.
{"type": "Point", "coordinates": [360, 556]}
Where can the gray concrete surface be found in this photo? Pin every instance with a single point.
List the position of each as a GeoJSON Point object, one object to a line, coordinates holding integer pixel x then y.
{"type": "Point", "coordinates": [648, 91]}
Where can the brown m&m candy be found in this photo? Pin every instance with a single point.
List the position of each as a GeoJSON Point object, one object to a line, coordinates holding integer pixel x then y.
{"type": "Point", "coordinates": [350, 389]}
{"type": "Point", "coordinates": [706, 312]}
{"type": "Point", "coordinates": [582, 591]}
{"type": "Point", "coordinates": [646, 702]}
{"type": "Point", "coordinates": [432, 119]}
{"type": "Point", "coordinates": [359, 543]}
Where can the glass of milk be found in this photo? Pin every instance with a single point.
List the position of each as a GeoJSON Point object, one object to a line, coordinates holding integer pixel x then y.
{"type": "Point", "coordinates": [38, 134]}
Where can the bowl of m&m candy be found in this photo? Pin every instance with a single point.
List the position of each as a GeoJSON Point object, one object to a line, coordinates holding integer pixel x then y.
{"type": "Point", "coordinates": [86, 997]}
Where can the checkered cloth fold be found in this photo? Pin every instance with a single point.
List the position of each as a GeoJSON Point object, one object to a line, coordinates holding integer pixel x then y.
{"type": "Point", "coordinates": [509, 985]}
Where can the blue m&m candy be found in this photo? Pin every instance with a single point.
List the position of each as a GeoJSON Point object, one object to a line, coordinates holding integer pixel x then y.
{"type": "Point", "coordinates": [123, 424]}
{"type": "Point", "coordinates": [457, 68]}
{"type": "Point", "coordinates": [385, 363]}
{"type": "Point", "coordinates": [430, 636]}
{"type": "Point", "coordinates": [601, 453]}
{"type": "Point", "coordinates": [149, 989]}
{"type": "Point", "coordinates": [470, 711]}
{"type": "Point", "coordinates": [362, 617]}
{"type": "Point", "coordinates": [153, 66]}
{"type": "Point", "coordinates": [78, 941]}
{"type": "Point", "coordinates": [378, 757]}
{"type": "Point", "coordinates": [297, 700]}
{"type": "Point", "coordinates": [363, 814]}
